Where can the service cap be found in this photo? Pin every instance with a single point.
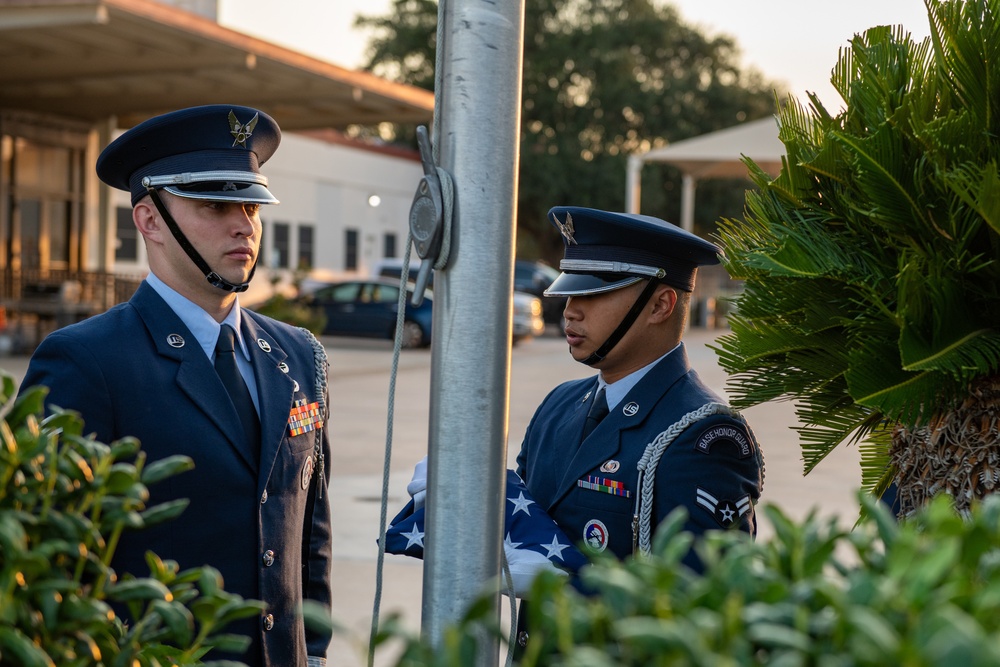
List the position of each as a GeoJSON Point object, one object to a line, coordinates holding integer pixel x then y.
{"type": "Point", "coordinates": [605, 251]}
{"type": "Point", "coordinates": [207, 152]}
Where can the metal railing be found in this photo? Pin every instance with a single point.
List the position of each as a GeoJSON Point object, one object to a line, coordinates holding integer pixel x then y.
{"type": "Point", "coordinates": [35, 301]}
{"type": "Point", "coordinates": [96, 289]}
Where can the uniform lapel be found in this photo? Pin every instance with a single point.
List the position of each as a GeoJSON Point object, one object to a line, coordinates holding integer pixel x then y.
{"type": "Point", "coordinates": [276, 388]}
{"type": "Point", "coordinates": [611, 435]}
{"type": "Point", "coordinates": [196, 377]}
{"type": "Point", "coordinates": [586, 450]}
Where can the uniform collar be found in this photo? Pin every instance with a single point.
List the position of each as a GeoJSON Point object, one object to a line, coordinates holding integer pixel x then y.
{"type": "Point", "coordinates": [615, 392]}
{"type": "Point", "coordinates": [201, 325]}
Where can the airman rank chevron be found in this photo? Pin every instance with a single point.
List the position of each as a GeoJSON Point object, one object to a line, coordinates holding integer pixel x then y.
{"type": "Point", "coordinates": [726, 512]}
{"type": "Point", "coordinates": [604, 485]}
{"type": "Point", "coordinates": [304, 417]}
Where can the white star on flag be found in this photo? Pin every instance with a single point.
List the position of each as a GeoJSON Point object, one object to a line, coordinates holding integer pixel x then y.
{"type": "Point", "coordinates": [525, 535]}
{"type": "Point", "coordinates": [521, 504]}
{"type": "Point", "coordinates": [555, 548]}
{"type": "Point", "coordinates": [414, 537]}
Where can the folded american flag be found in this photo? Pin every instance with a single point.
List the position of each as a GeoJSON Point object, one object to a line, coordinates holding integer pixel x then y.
{"type": "Point", "coordinates": [532, 540]}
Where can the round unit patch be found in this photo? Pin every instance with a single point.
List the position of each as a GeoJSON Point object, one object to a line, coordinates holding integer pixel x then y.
{"type": "Point", "coordinates": [307, 472]}
{"type": "Point", "coordinates": [595, 535]}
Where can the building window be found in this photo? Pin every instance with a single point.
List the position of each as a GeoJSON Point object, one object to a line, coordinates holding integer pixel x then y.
{"type": "Point", "coordinates": [389, 246]}
{"type": "Point", "coordinates": [42, 172]}
{"type": "Point", "coordinates": [127, 248]}
{"type": "Point", "coordinates": [281, 246]}
{"type": "Point", "coordinates": [351, 250]}
{"type": "Point", "coordinates": [306, 257]}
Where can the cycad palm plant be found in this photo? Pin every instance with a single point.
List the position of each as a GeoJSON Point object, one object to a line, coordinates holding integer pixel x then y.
{"type": "Point", "coordinates": [872, 263]}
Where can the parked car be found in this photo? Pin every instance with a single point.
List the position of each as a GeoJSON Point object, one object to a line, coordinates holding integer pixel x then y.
{"type": "Point", "coordinates": [368, 308]}
{"type": "Point", "coordinates": [527, 320]}
{"type": "Point", "coordinates": [534, 278]}
{"type": "Point", "coordinates": [528, 310]}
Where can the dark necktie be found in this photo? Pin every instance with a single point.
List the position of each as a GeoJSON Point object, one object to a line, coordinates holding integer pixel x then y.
{"type": "Point", "coordinates": [598, 411]}
{"type": "Point", "coordinates": [229, 372]}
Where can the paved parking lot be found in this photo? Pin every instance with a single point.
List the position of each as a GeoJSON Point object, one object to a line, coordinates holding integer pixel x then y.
{"type": "Point", "coordinates": [359, 385]}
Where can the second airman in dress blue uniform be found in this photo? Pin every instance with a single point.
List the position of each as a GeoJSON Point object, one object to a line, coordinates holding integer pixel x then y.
{"type": "Point", "coordinates": [628, 279]}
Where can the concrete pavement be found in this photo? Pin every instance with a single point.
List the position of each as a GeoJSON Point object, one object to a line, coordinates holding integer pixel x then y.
{"type": "Point", "coordinates": [358, 386]}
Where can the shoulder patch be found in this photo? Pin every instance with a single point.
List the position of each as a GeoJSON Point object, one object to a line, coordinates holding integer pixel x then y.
{"type": "Point", "coordinates": [725, 433]}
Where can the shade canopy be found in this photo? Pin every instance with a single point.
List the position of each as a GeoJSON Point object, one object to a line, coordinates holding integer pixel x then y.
{"type": "Point", "coordinates": [132, 59]}
{"type": "Point", "coordinates": [714, 155]}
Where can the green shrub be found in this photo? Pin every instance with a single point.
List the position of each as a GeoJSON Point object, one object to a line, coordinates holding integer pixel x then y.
{"type": "Point", "coordinates": [922, 592]}
{"type": "Point", "coordinates": [291, 312]}
{"type": "Point", "coordinates": [64, 502]}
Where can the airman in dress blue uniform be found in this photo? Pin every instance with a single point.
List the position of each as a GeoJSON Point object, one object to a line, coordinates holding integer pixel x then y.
{"type": "Point", "coordinates": [667, 440]}
{"type": "Point", "coordinates": [149, 368]}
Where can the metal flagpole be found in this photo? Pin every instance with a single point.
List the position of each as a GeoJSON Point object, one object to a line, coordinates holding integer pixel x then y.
{"type": "Point", "coordinates": [477, 123]}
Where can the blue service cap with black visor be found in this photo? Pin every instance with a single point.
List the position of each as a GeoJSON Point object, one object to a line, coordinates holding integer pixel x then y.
{"type": "Point", "coordinates": [211, 152]}
{"type": "Point", "coordinates": [606, 251]}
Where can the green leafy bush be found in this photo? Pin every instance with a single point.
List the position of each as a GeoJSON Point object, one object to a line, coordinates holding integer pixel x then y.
{"type": "Point", "coordinates": [293, 312]}
{"type": "Point", "coordinates": [64, 502]}
{"type": "Point", "coordinates": [922, 592]}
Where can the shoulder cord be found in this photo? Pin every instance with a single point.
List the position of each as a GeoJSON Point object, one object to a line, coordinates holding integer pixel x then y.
{"type": "Point", "coordinates": [642, 519]}
{"type": "Point", "coordinates": [321, 366]}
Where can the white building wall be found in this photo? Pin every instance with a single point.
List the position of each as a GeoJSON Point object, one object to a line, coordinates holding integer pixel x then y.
{"type": "Point", "coordinates": [332, 186]}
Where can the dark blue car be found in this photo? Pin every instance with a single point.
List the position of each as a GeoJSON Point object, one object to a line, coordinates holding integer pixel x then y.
{"type": "Point", "coordinates": [368, 308]}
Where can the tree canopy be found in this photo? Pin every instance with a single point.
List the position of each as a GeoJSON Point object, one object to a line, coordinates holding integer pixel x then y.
{"type": "Point", "coordinates": [601, 79]}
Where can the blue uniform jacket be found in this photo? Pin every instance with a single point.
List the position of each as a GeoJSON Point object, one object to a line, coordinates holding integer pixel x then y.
{"type": "Point", "coordinates": [260, 523]}
{"type": "Point", "coordinates": [714, 468]}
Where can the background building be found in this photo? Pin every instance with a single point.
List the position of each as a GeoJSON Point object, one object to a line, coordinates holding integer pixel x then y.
{"type": "Point", "coordinates": [76, 74]}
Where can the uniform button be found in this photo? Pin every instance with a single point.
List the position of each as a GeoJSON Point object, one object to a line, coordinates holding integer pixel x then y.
{"type": "Point", "coordinates": [268, 558]}
{"type": "Point", "coordinates": [268, 622]}
{"type": "Point", "coordinates": [263, 498]}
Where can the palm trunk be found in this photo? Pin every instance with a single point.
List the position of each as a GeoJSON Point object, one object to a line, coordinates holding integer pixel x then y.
{"type": "Point", "coordinates": [957, 452]}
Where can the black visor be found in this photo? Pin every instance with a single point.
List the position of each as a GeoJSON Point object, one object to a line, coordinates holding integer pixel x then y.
{"type": "Point", "coordinates": [226, 191]}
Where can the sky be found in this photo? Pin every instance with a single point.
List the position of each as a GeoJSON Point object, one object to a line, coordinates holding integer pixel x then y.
{"type": "Point", "coordinates": [795, 42]}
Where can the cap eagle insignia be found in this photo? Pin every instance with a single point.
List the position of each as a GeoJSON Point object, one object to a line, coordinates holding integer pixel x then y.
{"type": "Point", "coordinates": [566, 228]}
{"type": "Point", "coordinates": [240, 131]}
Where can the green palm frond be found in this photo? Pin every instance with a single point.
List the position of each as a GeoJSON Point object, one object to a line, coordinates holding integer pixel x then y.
{"type": "Point", "coordinates": [966, 37]}
{"type": "Point", "coordinates": [885, 176]}
{"type": "Point", "coordinates": [978, 188]}
{"type": "Point", "coordinates": [871, 263]}
{"type": "Point", "coordinates": [829, 422]}
{"type": "Point", "coordinates": [876, 471]}
{"type": "Point", "coordinates": [974, 354]}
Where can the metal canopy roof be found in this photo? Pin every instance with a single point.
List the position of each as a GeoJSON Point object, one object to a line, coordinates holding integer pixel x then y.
{"type": "Point", "coordinates": [132, 59]}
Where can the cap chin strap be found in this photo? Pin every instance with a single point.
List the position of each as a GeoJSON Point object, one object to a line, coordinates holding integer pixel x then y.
{"type": "Point", "coordinates": [640, 303]}
{"type": "Point", "coordinates": [213, 278]}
